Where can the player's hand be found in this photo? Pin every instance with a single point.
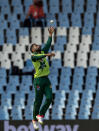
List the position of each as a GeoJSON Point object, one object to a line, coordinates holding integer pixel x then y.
{"type": "Point", "coordinates": [51, 30]}
{"type": "Point", "coordinates": [50, 54]}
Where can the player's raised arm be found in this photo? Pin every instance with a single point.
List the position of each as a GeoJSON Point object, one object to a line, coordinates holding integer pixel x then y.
{"type": "Point", "coordinates": [48, 44]}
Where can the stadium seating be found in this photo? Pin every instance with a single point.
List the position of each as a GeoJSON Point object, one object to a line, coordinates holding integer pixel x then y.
{"type": "Point", "coordinates": [16, 113]}
{"type": "Point", "coordinates": [79, 6]}
{"type": "Point", "coordinates": [67, 6]}
{"type": "Point", "coordinates": [63, 20]}
{"type": "Point", "coordinates": [3, 113]}
{"type": "Point", "coordinates": [29, 112]}
{"type": "Point", "coordinates": [76, 20]}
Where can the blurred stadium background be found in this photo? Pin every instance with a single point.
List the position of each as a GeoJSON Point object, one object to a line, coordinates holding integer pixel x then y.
{"type": "Point", "coordinates": [74, 69]}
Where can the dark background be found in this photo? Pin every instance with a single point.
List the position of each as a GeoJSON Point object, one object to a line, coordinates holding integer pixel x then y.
{"type": "Point", "coordinates": [84, 125]}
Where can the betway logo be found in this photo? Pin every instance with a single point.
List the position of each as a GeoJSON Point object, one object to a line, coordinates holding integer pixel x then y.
{"type": "Point", "coordinates": [8, 127]}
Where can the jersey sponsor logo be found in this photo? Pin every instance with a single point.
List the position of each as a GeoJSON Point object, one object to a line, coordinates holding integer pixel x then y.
{"type": "Point", "coordinates": [48, 127]}
{"type": "Point", "coordinates": [42, 64]}
{"type": "Point", "coordinates": [38, 87]}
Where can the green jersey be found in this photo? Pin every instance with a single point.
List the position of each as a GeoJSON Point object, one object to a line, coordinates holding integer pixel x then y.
{"type": "Point", "coordinates": [40, 62]}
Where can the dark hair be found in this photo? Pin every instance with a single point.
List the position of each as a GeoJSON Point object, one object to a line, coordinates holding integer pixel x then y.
{"type": "Point", "coordinates": [32, 46]}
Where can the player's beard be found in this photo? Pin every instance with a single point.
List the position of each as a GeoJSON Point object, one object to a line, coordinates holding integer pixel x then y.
{"type": "Point", "coordinates": [39, 49]}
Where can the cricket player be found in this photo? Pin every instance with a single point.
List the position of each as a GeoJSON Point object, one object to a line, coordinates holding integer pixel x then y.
{"type": "Point", "coordinates": [42, 84]}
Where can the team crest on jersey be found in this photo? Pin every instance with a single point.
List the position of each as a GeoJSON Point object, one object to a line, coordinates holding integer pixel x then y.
{"type": "Point", "coordinates": [38, 87]}
{"type": "Point", "coordinates": [42, 64]}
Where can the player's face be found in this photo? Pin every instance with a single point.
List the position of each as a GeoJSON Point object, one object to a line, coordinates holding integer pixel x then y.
{"type": "Point", "coordinates": [36, 48]}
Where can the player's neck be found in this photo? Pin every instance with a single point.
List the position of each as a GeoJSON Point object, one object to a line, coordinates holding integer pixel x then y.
{"type": "Point", "coordinates": [39, 51]}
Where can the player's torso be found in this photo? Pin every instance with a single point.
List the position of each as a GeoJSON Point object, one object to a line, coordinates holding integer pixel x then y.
{"type": "Point", "coordinates": [41, 67]}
